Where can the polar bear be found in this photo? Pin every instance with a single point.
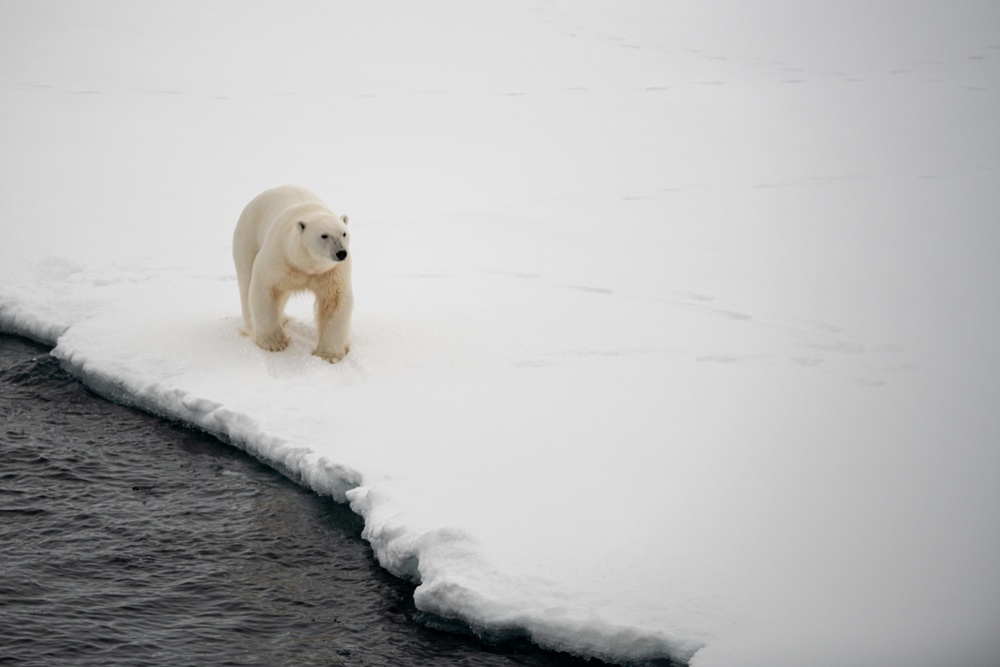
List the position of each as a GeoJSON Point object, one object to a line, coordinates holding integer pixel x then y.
{"type": "Point", "coordinates": [287, 241]}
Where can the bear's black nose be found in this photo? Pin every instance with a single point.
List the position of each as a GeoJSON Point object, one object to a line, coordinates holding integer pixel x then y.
{"type": "Point", "coordinates": [341, 255]}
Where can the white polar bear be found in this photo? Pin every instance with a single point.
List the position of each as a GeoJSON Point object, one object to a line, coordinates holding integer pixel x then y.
{"type": "Point", "coordinates": [287, 241]}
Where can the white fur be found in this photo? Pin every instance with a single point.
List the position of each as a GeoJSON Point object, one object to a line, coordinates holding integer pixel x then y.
{"type": "Point", "coordinates": [287, 241]}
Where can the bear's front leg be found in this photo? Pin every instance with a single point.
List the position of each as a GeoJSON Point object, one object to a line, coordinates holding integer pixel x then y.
{"type": "Point", "coordinates": [266, 305]}
{"type": "Point", "coordinates": [333, 322]}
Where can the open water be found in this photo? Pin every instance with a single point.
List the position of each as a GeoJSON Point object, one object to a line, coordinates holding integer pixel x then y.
{"type": "Point", "coordinates": [127, 540]}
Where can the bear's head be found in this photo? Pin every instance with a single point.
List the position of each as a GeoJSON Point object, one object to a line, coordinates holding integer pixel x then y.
{"type": "Point", "coordinates": [322, 241]}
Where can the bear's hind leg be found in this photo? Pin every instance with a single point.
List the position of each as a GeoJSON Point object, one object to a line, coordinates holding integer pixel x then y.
{"type": "Point", "coordinates": [243, 272]}
{"type": "Point", "coordinates": [247, 329]}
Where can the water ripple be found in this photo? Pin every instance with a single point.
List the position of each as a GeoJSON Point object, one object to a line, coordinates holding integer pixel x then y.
{"type": "Point", "coordinates": [125, 540]}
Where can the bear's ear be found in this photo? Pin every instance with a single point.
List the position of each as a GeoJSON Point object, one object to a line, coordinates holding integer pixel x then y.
{"type": "Point", "coordinates": [343, 218]}
{"type": "Point", "coordinates": [302, 226]}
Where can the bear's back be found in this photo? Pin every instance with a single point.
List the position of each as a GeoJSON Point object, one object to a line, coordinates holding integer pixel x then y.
{"type": "Point", "coordinates": [270, 213]}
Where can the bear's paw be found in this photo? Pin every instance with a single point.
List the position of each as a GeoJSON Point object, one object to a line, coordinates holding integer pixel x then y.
{"type": "Point", "coordinates": [331, 356]}
{"type": "Point", "coordinates": [275, 342]}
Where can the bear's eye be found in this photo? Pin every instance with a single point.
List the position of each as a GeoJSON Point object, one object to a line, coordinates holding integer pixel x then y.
{"type": "Point", "coordinates": [344, 235]}
{"type": "Point", "coordinates": [324, 236]}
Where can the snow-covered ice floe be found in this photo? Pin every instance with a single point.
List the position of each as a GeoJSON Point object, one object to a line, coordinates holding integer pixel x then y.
{"type": "Point", "coordinates": [676, 323]}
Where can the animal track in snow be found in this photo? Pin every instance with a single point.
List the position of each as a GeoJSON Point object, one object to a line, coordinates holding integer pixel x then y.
{"type": "Point", "coordinates": [589, 288]}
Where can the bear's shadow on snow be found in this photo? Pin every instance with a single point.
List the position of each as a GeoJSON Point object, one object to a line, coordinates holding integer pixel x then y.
{"type": "Point", "coordinates": [302, 332]}
{"type": "Point", "coordinates": [297, 357]}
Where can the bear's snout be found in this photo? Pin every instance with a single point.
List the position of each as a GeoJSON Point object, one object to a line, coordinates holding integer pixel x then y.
{"type": "Point", "coordinates": [341, 255]}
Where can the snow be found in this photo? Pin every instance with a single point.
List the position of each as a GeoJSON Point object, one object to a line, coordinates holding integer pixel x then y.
{"type": "Point", "coordinates": [675, 326]}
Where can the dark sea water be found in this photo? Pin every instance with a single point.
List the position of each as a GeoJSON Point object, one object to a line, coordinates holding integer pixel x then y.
{"type": "Point", "coordinates": [127, 540]}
